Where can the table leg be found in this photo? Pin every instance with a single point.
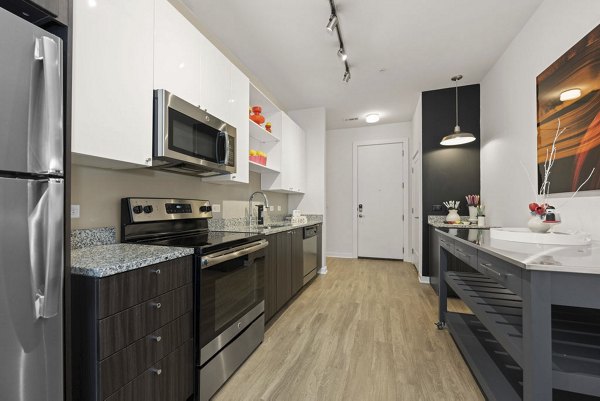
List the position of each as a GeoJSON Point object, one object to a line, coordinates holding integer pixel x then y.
{"type": "Point", "coordinates": [537, 336]}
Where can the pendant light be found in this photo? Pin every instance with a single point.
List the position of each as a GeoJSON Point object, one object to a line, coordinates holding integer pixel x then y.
{"type": "Point", "coordinates": [457, 137]}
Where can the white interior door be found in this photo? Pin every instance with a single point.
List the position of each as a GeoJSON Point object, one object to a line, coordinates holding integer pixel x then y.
{"type": "Point", "coordinates": [380, 201]}
{"type": "Point", "coordinates": [415, 185]}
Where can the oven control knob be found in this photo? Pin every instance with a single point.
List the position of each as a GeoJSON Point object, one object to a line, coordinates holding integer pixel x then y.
{"type": "Point", "coordinates": [137, 209]}
{"type": "Point", "coordinates": [205, 209]}
{"type": "Point", "coordinates": [148, 209]}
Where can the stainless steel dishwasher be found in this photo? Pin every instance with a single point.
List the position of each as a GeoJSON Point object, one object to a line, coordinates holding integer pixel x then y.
{"type": "Point", "coordinates": [309, 246]}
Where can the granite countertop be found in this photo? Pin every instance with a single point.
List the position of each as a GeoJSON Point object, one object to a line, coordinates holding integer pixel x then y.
{"type": "Point", "coordinates": [554, 258]}
{"type": "Point", "coordinates": [439, 222]}
{"type": "Point", "coordinates": [272, 229]}
{"type": "Point", "coordinates": [106, 260]}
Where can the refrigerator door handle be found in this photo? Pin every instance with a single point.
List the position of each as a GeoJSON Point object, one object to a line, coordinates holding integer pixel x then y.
{"type": "Point", "coordinates": [48, 51]}
{"type": "Point", "coordinates": [47, 299]}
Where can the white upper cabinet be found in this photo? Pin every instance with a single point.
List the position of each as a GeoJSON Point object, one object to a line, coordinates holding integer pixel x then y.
{"type": "Point", "coordinates": [112, 83]}
{"type": "Point", "coordinates": [238, 98]}
{"type": "Point", "coordinates": [216, 83]}
{"type": "Point", "coordinates": [178, 49]}
{"type": "Point", "coordinates": [292, 178]}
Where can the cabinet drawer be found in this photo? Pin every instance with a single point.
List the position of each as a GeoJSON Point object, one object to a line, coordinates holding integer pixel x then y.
{"type": "Point", "coordinates": [170, 379]}
{"type": "Point", "coordinates": [125, 365]}
{"type": "Point", "coordinates": [118, 331]}
{"type": "Point", "coordinates": [447, 244]}
{"type": "Point", "coordinates": [465, 253]}
{"type": "Point", "coordinates": [501, 271]}
{"type": "Point", "coordinates": [122, 291]}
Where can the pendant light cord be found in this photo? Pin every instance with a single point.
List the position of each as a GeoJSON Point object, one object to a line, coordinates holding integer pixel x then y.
{"type": "Point", "coordinates": [456, 102]}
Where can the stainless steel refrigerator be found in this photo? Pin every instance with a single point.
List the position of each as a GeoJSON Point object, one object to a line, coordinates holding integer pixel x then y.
{"type": "Point", "coordinates": [31, 212]}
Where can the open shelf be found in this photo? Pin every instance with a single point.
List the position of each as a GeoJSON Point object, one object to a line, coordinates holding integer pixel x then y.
{"type": "Point", "coordinates": [499, 309]}
{"type": "Point", "coordinates": [260, 134]}
{"type": "Point", "coordinates": [500, 377]}
{"type": "Point", "coordinates": [259, 168]}
{"type": "Point", "coordinates": [575, 336]}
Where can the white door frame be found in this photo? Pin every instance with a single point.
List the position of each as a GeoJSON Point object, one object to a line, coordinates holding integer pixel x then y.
{"type": "Point", "coordinates": [417, 218]}
{"type": "Point", "coordinates": [405, 166]}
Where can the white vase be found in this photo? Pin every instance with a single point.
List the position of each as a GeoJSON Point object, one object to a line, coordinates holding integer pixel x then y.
{"type": "Point", "coordinates": [453, 216]}
{"type": "Point", "coordinates": [536, 224]}
{"type": "Point", "coordinates": [472, 214]}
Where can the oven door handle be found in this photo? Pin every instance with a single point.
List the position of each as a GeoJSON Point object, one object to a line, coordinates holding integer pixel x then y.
{"type": "Point", "coordinates": [220, 257]}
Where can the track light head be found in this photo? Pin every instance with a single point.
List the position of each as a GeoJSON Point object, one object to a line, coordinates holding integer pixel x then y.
{"type": "Point", "coordinates": [342, 54]}
{"type": "Point", "coordinates": [347, 77]}
{"type": "Point", "coordinates": [332, 23]}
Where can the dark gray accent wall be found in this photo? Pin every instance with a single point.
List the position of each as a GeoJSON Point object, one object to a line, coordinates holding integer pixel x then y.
{"type": "Point", "coordinates": [449, 172]}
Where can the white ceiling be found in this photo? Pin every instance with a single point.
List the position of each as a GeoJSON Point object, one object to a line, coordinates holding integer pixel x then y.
{"type": "Point", "coordinates": [419, 45]}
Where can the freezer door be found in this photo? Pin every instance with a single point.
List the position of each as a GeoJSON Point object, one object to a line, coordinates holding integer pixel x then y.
{"type": "Point", "coordinates": [31, 280]}
{"type": "Point", "coordinates": [31, 98]}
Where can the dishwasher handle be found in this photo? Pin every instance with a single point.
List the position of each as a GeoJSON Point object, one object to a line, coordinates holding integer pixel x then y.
{"type": "Point", "coordinates": [310, 232]}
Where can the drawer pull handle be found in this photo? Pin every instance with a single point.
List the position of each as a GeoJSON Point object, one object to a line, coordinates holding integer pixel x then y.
{"type": "Point", "coordinates": [156, 305]}
{"type": "Point", "coordinates": [157, 271]}
{"type": "Point", "coordinates": [156, 371]}
{"type": "Point", "coordinates": [156, 338]}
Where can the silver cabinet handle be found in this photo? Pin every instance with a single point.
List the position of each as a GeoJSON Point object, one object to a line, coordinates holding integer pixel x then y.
{"type": "Point", "coordinates": [156, 338]}
{"type": "Point", "coordinates": [156, 371]}
{"type": "Point", "coordinates": [157, 271]}
{"type": "Point", "coordinates": [156, 305]}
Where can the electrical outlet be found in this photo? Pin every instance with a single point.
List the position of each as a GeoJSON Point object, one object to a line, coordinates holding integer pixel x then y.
{"type": "Point", "coordinates": [75, 211]}
{"type": "Point", "coordinates": [279, 208]}
{"type": "Point", "coordinates": [271, 208]}
{"type": "Point", "coordinates": [216, 208]}
{"type": "Point", "coordinates": [436, 208]}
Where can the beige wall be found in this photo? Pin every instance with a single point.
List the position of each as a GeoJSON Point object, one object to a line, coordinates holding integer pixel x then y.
{"type": "Point", "coordinates": [99, 192]}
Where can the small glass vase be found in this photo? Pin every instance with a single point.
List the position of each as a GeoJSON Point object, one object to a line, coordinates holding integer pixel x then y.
{"type": "Point", "coordinates": [453, 216]}
{"type": "Point", "coordinates": [473, 214]}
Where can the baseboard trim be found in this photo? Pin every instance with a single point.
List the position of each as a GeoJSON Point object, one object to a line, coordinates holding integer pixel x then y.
{"type": "Point", "coordinates": [344, 255]}
{"type": "Point", "coordinates": [424, 279]}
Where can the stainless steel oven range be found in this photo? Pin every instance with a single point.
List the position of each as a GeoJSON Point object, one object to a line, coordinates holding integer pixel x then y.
{"type": "Point", "coordinates": [228, 281]}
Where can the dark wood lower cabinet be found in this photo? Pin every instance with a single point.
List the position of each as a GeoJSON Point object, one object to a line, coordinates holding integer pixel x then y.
{"type": "Point", "coordinates": [284, 274]}
{"type": "Point", "coordinates": [128, 351]}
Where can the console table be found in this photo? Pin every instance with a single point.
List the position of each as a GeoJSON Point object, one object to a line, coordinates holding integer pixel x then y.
{"type": "Point", "coordinates": [534, 334]}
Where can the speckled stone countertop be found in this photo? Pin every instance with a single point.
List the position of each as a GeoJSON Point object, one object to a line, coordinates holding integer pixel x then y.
{"type": "Point", "coordinates": [106, 260]}
{"type": "Point", "coordinates": [269, 229]}
{"type": "Point", "coordinates": [438, 222]}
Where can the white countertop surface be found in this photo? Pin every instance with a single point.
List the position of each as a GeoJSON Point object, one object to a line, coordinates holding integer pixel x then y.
{"type": "Point", "coordinates": [554, 258]}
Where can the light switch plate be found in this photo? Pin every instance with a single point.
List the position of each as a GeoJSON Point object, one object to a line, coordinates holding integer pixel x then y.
{"type": "Point", "coordinates": [216, 208]}
{"type": "Point", "coordinates": [279, 208]}
{"type": "Point", "coordinates": [271, 208]}
{"type": "Point", "coordinates": [75, 211]}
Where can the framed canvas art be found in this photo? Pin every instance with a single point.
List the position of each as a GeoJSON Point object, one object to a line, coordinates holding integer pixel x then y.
{"type": "Point", "coordinates": [568, 95]}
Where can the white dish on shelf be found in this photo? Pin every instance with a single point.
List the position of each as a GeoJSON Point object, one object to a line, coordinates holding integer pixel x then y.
{"type": "Point", "coordinates": [517, 234]}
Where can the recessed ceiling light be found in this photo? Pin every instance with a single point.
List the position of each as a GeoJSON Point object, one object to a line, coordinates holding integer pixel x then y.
{"type": "Point", "coordinates": [181, 65]}
{"type": "Point", "coordinates": [372, 118]}
{"type": "Point", "coordinates": [570, 94]}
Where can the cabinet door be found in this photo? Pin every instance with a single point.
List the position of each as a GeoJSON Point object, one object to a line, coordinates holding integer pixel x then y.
{"type": "Point", "coordinates": [271, 278]}
{"type": "Point", "coordinates": [239, 97]}
{"type": "Point", "coordinates": [51, 6]}
{"type": "Point", "coordinates": [113, 80]}
{"type": "Point", "coordinates": [300, 167]}
{"type": "Point", "coordinates": [177, 53]}
{"type": "Point", "coordinates": [215, 82]}
{"type": "Point", "coordinates": [297, 259]}
{"type": "Point", "coordinates": [284, 269]}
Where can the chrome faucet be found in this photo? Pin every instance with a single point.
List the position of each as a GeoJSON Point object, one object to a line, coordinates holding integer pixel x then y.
{"type": "Point", "coordinates": [250, 204]}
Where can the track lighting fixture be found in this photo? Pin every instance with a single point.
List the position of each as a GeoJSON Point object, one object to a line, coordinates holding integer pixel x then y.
{"type": "Point", "coordinates": [332, 23]}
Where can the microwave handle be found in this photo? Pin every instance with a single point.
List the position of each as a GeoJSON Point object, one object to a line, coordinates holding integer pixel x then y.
{"type": "Point", "coordinates": [226, 148]}
{"type": "Point", "coordinates": [221, 135]}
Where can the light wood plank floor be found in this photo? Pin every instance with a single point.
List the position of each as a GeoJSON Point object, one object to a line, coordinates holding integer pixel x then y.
{"type": "Point", "coordinates": [365, 331]}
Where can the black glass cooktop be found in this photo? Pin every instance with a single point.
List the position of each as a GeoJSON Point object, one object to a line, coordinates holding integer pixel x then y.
{"type": "Point", "coordinates": [207, 242]}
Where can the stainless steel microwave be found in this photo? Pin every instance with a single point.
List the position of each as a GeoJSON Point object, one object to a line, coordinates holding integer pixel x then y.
{"type": "Point", "coordinates": [188, 140]}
